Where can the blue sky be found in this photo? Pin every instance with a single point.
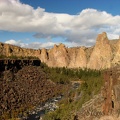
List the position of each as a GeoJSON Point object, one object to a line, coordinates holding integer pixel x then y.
{"type": "Point", "coordinates": [43, 23]}
{"type": "Point", "coordinates": [75, 6]}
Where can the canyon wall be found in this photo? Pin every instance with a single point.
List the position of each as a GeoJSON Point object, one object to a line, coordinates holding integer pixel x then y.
{"type": "Point", "coordinates": [106, 104]}
{"type": "Point", "coordinates": [104, 54]}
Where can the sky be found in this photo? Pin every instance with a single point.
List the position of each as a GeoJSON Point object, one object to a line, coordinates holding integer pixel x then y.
{"type": "Point", "coordinates": [40, 24]}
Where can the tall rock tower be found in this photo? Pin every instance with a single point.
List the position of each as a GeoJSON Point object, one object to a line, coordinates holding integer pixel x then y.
{"type": "Point", "coordinates": [101, 54]}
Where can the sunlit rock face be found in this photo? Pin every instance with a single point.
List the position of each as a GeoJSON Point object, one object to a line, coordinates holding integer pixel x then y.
{"type": "Point", "coordinates": [116, 58]}
{"type": "Point", "coordinates": [101, 54]}
{"type": "Point", "coordinates": [58, 56]}
{"type": "Point", "coordinates": [43, 55]}
{"type": "Point", "coordinates": [77, 57]}
{"type": "Point", "coordinates": [104, 54]}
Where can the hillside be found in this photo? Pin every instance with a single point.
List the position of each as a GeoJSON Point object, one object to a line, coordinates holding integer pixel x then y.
{"type": "Point", "coordinates": [22, 88]}
{"type": "Point", "coordinates": [97, 98]}
{"type": "Point", "coordinates": [25, 85]}
{"type": "Point", "coordinates": [105, 105]}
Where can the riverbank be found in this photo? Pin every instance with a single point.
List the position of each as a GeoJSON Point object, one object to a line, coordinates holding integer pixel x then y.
{"type": "Point", "coordinates": [40, 110]}
{"type": "Point", "coordinates": [48, 106]}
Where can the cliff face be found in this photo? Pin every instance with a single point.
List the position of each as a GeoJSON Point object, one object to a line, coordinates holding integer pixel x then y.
{"type": "Point", "coordinates": [101, 54]}
{"type": "Point", "coordinates": [106, 105]}
{"type": "Point", "coordinates": [11, 50]}
{"type": "Point", "coordinates": [116, 59]}
{"type": "Point", "coordinates": [105, 54]}
{"type": "Point", "coordinates": [58, 56]}
{"type": "Point", "coordinates": [111, 91]}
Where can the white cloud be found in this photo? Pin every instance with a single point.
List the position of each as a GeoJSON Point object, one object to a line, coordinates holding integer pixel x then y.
{"type": "Point", "coordinates": [14, 42]}
{"type": "Point", "coordinates": [81, 28]}
{"type": "Point", "coordinates": [11, 42]}
{"type": "Point", "coordinates": [39, 45]}
{"type": "Point", "coordinates": [34, 45]}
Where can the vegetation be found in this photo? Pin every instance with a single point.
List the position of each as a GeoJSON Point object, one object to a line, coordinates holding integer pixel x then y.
{"type": "Point", "coordinates": [65, 75]}
{"type": "Point", "coordinates": [91, 84]}
{"type": "Point", "coordinates": [13, 114]}
{"type": "Point", "coordinates": [74, 98]}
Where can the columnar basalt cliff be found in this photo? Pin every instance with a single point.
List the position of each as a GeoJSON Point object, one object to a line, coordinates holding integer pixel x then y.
{"type": "Point", "coordinates": [105, 54]}
{"type": "Point", "coordinates": [7, 64]}
{"type": "Point", "coordinates": [111, 91]}
{"type": "Point", "coordinates": [106, 105]}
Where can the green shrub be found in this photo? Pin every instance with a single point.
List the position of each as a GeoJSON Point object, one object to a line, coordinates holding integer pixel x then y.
{"type": "Point", "coordinates": [92, 82]}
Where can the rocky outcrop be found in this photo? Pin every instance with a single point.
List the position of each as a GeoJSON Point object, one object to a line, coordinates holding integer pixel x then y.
{"type": "Point", "coordinates": [101, 54]}
{"type": "Point", "coordinates": [23, 89]}
{"type": "Point", "coordinates": [58, 56]}
{"type": "Point", "coordinates": [116, 58]}
{"type": "Point", "coordinates": [105, 105]}
{"type": "Point", "coordinates": [11, 50]}
{"type": "Point", "coordinates": [43, 55]}
{"type": "Point", "coordinates": [105, 54]}
{"type": "Point", "coordinates": [7, 64]}
{"type": "Point", "coordinates": [77, 57]}
{"type": "Point", "coordinates": [111, 91]}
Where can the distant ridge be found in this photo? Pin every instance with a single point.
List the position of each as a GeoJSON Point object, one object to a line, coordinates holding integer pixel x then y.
{"type": "Point", "coordinates": [104, 54]}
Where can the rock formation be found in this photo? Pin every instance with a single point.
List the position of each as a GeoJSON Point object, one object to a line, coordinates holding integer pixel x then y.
{"type": "Point", "coordinates": [58, 56]}
{"type": "Point", "coordinates": [105, 54]}
{"type": "Point", "coordinates": [116, 58]}
{"type": "Point", "coordinates": [77, 57]}
{"type": "Point", "coordinates": [7, 64]}
{"type": "Point", "coordinates": [23, 89]}
{"type": "Point", "coordinates": [106, 105]}
{"type": "Point", "coordinates": [111, 91]}
{"type": "Point", "coordinates": [101, 54]}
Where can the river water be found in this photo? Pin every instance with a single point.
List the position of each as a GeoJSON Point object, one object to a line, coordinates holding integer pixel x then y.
{"type": "Point", "coordinates": [50, 105]}
{"type": "Point", "coordinates": [39, 111]}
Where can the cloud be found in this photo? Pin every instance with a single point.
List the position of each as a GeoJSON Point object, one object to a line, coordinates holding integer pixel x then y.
{"type": "Point", "coordinates": [40, 45]}
{"type": "Point", "coordinates": [81, 28]}
{"type": "Point", "coordinates": [34, 45]}
{"type": "Point", "coordinates": [14, 42]}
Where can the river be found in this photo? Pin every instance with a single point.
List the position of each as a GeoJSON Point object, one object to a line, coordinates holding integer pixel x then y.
{"type": "Point", "coordinates": [39, 111]}
{"type": "Point", "coordinates": [50, 105]}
